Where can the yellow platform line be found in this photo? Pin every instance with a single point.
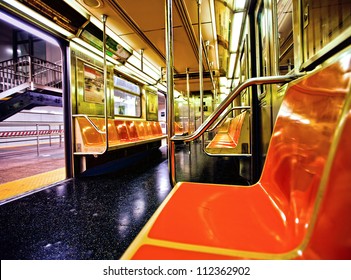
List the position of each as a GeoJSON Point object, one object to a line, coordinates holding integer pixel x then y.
{"type": "Point", "coordinates": [22, 186]}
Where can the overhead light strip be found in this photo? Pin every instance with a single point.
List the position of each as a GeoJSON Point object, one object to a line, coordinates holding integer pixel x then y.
{"type": "Point", "coordinates": [38, 18]}
{"type": "Point", "coordinates": [90, 50]}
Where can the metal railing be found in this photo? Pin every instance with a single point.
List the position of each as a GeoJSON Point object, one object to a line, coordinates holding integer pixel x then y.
{"type": "Point", "coordinates": [29, 69]}
{"type": "Point", "coordinates": [39, 131]}
{"type": "Point", "coordinates": [223, 117]}
{"type": "Point", "coordinates": [217, 113]}
{"type": "Point", "coordinates": [101, 132]}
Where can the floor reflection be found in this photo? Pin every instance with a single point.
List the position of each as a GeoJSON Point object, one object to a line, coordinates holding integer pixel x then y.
{"type": "Point", "coordinates": [85, 218]}
{"type": "Point", "coordinates": [98, 217]}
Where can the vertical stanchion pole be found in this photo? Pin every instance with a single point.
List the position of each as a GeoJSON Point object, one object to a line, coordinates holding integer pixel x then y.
{"type": "Point", "coordinates": [200, 69]}
{"type": "Point", "coordinates": [68, 125]}
{"type": "Point", "coordinates": [104, 18]}
{"type": "Point", "coordinates": [60, 135]}
{"type": "Point", "coordinates": [37, 128]}
{"type": "Point", "coordinates": [30, 73]}
{"type": "Point", "coordinates": [170, 90]}
{"type": "Point", "coordinates": [188, 96]}
{"type": "Point", "coordinates": [50, 135]}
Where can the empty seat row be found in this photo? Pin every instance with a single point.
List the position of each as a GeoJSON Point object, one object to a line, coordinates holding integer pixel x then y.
{"type": "Point", "coordinates": [90, 136]}
{"type": "Point", "coordinates": [232, 137]}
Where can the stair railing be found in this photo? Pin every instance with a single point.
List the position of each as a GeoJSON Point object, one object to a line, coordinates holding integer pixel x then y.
{"type": "Point", "coordinates": [29, 69]}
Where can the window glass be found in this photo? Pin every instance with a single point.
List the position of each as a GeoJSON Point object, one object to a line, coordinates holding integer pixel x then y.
{"type": "Point", "coordinates": [127, 98]}
{"type": "Point", "coordinates": [285, 31]}
{"type": "Point", "coordinates": [262, 48]}
{"type": "Point", "coordinates": [323, 21]}
{"type": "Point", "coordinates": [126, 85]}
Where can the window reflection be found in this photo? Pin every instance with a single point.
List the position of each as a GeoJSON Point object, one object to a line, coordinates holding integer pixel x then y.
{"type": "Point", "coordinates": [127, 98]}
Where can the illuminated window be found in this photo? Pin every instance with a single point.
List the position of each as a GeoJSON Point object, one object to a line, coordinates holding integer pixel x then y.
{"type": "Point", "coordinates": [127, 98]}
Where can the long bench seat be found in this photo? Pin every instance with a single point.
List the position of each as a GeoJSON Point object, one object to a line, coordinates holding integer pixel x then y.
{"type": "Point", "coordinates": [233, 137]}
{"type": "Point", "coordinates": [299, 209]}
{"type": "Point", "coordinates": [121, 134]}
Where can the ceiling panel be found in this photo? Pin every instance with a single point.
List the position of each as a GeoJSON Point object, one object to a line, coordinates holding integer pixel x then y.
{"type": "Point", "coordinates": [141, 25]}
{"type": "Point", "coordinates": [149, 15]}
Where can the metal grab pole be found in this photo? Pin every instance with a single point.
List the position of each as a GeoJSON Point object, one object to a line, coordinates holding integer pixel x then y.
{"type": "Point", "coordinates": [201, 69]}
{"type": "Point", "coordinates": [170, 90]}
{"type": "Point", "coordinates": [188, 96]}
{"type": "Point", "coordinates": [104, 18]}
{"type": "Point", "coordinates": [37, 131]}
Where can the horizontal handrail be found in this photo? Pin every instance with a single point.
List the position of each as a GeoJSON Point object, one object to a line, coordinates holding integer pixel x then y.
{"type": "Point", "coordinates": [228, 100]}
{"type": "Point", "coordinates": [226, 154]}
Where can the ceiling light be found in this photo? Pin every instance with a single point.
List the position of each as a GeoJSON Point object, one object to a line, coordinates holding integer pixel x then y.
{"type": "Point", "coordinates": [93, 3]}
{"type": "Point", "coordinates": [40, 19]}
{"type": "Point", "coordinates": [235, 33]}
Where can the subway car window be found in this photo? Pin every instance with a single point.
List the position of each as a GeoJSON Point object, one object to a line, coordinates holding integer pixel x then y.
{"type": "Point", "coordinates": [262, 34]}
{"type": "Point", "coordinates": [285, 33]}
{"type": "Point", "coordinates": [262, 45]}
{"type": "Point", "coordinates": [127, 98]}
{"type": "Point", "coordinates": [325, 20]}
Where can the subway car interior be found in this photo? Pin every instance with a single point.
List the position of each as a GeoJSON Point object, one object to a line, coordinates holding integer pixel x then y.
{"type": "Point", "coordinates": [175, 129]}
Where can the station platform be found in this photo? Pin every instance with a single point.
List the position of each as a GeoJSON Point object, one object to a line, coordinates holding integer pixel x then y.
{"type": "Point", "coordinates": [28, 168]}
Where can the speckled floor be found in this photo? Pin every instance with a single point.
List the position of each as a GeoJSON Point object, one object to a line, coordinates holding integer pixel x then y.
{"type": "Point", "coordinates": [96, 217]}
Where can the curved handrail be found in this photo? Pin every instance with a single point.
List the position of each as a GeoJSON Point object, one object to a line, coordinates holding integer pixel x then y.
{"type": "Point", "coordinates": [101, 132]}
{"type": "Point", "coordinates": [228, 100]}
{"type": "Point", "coordinates": [87, 117]}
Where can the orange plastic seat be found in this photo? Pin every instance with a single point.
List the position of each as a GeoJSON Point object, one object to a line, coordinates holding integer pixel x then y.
{"type": "Point", "coordinates": [113, 138]}
{"type": "Point", "coordinates": [153, 127]}
{"type": "Point", "coordinates": [298, 209]}
{"type": "Point", "coordinates": [132, 131]}
{"type": "Point", "coordinates": [141, 129]}
{"type": "Point", "coordinates": [224, 128]}
{"type": "Point", "coordinates": [91, 137]}
{"type": "Point", "coordinates": [122, 131]}
{"type": "Point", "coordinates": [149, 128]}
{"type": "Point", "coordinates": [178, 129]}
{"type": "Point", "coordinates": [229, 138]}
{"type": "Point", "coordinates": [157, 129]}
